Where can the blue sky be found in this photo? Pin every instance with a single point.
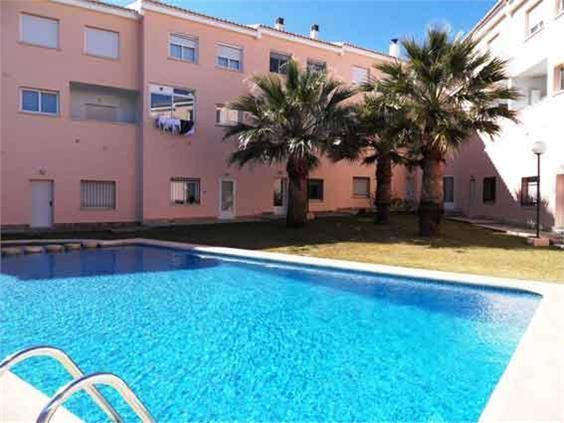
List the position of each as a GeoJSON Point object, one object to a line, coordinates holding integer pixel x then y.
{"type": "Point", "coordinates": [369, 23]}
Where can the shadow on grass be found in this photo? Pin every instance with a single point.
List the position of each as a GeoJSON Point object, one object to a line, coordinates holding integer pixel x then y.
{"type": "Point", "coordinates": [322, 231]}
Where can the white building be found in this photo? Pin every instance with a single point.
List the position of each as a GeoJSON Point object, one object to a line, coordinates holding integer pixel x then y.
{"type": "Point", "coordinates": [496, 178]}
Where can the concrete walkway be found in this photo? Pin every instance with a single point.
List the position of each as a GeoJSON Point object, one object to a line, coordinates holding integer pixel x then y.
{"type": "Point", "coordinates": [555, 238]}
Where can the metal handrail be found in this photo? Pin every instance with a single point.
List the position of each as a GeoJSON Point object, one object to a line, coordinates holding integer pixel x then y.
{"type": "Point", "coordinates": [89, 381]}
{"type": "Point", "coordinates": [71, 367]}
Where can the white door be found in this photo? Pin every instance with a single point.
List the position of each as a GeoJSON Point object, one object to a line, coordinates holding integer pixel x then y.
{"type": "Point", "coordinates": [226, 198]}
{"type": "Point", "coordinates": [280, 200]}
{"type": "Point", "coordinates": [41, 204]}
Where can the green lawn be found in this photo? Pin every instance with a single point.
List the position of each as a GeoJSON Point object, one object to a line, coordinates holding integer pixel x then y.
{"type": "Point", "coordinates": [461, 248]}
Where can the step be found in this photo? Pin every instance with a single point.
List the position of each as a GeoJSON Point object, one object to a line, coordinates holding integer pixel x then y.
{"type": "Point", "coordinates": [20, 402]}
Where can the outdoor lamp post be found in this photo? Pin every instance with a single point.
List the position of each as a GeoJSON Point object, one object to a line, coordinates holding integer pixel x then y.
{"type": "Point", "coordinates": [539, 148]}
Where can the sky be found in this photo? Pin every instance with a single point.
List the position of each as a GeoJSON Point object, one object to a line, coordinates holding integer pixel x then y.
{"type": "Point", "coordinates": [368, 23]}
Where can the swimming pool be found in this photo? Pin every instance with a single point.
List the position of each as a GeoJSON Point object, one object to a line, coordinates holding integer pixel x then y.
{"type": "Point", "coordinates": [203, 337]}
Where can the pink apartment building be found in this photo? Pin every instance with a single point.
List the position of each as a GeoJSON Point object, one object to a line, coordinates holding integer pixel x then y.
{"type": "Point", "coordinates": [84, 83]}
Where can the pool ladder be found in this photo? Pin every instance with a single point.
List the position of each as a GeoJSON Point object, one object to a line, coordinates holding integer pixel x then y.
{"type": "Point", "coordinates": [80, 382]}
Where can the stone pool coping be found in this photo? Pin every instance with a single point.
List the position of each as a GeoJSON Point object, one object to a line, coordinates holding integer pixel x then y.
{"type": "Point", "coordinates": [532, 386]}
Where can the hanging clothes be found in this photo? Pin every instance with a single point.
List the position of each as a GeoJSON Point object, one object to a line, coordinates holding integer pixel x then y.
{"type": "Point", "coordinates": [168, 124]}
{"type": "Point", "coordinates": [186, 127]}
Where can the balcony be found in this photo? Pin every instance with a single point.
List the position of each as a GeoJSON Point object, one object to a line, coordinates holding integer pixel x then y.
{"type": "Point", "coordinates": [532, 84]}
{"type": "Point", "coordinates": [103, 103]}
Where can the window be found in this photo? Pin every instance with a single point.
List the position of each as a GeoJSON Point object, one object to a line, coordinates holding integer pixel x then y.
{"type": "Point", "coordinates": [99, 195]}
{"type": "Point", "coordinates": [183, 48]}
{"type": "Point", "coordinates": [172, 102]}
{"type": "Point", "coordinates": [360, 75]}
{"type": "Point", "coordinates": [448, 189]}
{"type": "Point", "coordinates": [317, 66]}
{"type": "Point", "coordinates": [229, 57]}
{"type": "Point", "coordinates": [361, 187]}
{"type": "Point", "coordinates": [535, 20]}
{"type": "Point", "coordinates": [38, 101]}
{"type": "Point", "coordinates": [42, 32]}
{"type": "Point", "coordinates": [560, 6]}
{"type": "Point", "coordinates": [279, 62]}
{"type": "Point", "coordinates": [315, 189]}
{"type": "Point", "coordinates": [488, 189]}
{"type": "Point", "coordinates": [102, 43]}
{"type": "Point", "coordinates": [494, 45]}
{"type": "Point", "coordinates": [226, 116]}
{"type": "Point", "coordinates": [560, 77]}
{"type": "Point", "coordinates": [529, 188]}
{"type": "Point", "coordinates": [185, 191]}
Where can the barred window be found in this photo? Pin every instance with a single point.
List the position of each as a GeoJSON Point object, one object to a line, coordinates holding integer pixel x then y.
{"type": "Point", "coordinates": [185, 191]}
{"type": "Point", "coordinates": [361, 187]}
{"type": "Point", "coordinates": [99, 195]}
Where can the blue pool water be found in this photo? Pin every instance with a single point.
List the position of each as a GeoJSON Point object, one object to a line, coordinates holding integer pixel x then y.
{"type": "Point", "coordinates": [204, 338]}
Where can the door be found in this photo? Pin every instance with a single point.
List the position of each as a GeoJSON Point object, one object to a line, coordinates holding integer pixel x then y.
{"type": "Point", "coordinates": [559, 219]}
{"type": "Point", "coordinates": [280, 200]}
{"type": "Point", "coordinates": [226, 198]}
{"type": "Point", "coordinates": [41, 204]}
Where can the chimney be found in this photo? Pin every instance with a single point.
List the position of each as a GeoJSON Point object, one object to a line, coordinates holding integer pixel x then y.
{"type": "Point", "coordinates": [394, 48]}
{"type": "Point", "coordinates": [279, 25]}
{"type": "Point", "coordinates": [314, 32]}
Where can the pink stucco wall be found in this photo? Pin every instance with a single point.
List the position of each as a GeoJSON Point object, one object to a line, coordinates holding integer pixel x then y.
{"type": "Point", "coordinates": [140, 158]}
{"type": "Point", "coordinates": [58, 148]}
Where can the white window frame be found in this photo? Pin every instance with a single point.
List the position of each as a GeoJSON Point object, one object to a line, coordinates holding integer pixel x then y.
{"type": "Point", "coordinates": [113, 193]}
{"type": "Point", "coordinates": [186, 181]}
{"type": "Point", "coordinates": [230, 60]}
{"type": "Point", "coordinates": [170, 91]}
{"type": "Point", "coordinates": [353, 72]}
{"type": "Point", "coordinates": [40, 92]}
{"type": "Point", "coordinates": [218, 108]}
{"type": "Point", "coordinates": [103, 56]}
{"type": "Point", "coordinates": [188, 38]}
{"type": "Point", "coordinates": [38, 44]}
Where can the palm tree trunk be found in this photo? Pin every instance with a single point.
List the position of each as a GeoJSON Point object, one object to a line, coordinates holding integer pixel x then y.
{"type": "Point", "coordinates": [383, 188]}
{"type": "Point", "coordinates": [431, 207]}
{"type": "Point", "coordinates": [297, 192]}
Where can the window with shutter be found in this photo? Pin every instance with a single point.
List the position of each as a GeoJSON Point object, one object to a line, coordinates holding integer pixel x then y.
{"type": "Point", "coordinates": [229, 57]}
{"type": "Point", "coordinates": [102, 43]}
{"type": "Point", "coordinates": [361, 187]}
{"type": "Point", "coordinates": [183, 48]}
{"type": "Point", "coordinates": [39, 31]}
{"type": "Point", "coordinates": [359, 75]}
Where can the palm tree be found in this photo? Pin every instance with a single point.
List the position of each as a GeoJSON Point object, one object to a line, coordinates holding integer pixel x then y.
{"type": "Point", "coordinates": [292, 119]}
{"type": "Point", "coordinates": [450, 90]}
{"type": "Point", "coordinates": [380, 131]}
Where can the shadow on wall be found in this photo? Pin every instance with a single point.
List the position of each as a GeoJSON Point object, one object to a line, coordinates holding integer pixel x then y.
{"type": "Point", "coordinates": [470, 168]}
